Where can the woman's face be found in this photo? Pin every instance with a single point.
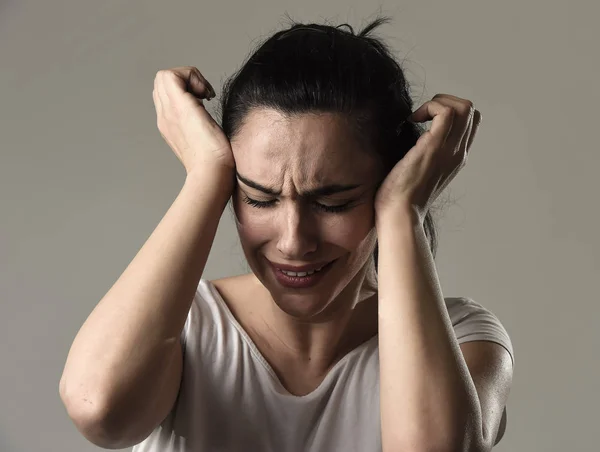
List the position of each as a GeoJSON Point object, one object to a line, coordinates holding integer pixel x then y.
{"type": "Point", "coordinates": [304, 197]}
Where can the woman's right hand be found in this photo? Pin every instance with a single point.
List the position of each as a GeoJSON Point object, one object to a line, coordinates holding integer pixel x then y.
{"type": "Point", "coordinates": [190, 131]}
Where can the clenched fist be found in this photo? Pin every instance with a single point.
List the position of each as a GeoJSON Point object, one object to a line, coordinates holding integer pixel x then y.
{"type": "Point", "coordinates": [190, 131]}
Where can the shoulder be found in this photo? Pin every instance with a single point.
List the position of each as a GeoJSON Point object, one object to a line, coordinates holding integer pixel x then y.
{"type": "Point", "coordinates": [211, 325]}
{"type": "Point", "coordinates": [230, 285]}
{"type": "Point", "coordinates": [463, 309]}
{"type": "Point", "coordinates": [234, 291]}
{"type": "Point", "coordinates": [209, 312]}
{"type": "Point", "coordinates": [240, 301]}
{"type": "Point", "coordinates": [472, 321]}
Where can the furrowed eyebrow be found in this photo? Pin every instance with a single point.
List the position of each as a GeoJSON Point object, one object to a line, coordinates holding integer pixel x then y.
{"type": "Point", "coordinates": [320, 191]}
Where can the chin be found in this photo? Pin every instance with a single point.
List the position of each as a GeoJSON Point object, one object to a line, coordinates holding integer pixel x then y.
{"type": "Point", "coordinates": [301, 306]}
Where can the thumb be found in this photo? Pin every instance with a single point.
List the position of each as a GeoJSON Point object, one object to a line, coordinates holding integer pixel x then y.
{"type": "Point", "coordinates": [421, 114]}
{"type": "Point", "coordinates": [199, 86]}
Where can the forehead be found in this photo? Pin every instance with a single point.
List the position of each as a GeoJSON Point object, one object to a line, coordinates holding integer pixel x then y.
{"type": "Point", "coordinates": [307, 150]}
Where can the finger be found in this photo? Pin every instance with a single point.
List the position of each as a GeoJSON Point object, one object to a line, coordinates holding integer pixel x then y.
{"type": "Point", "coordinates": [442, 117]}
{"type": "Point", "coordinates": [157, 107]}
{"type": "Point", "coordinates": [475, 127]}
{"type": "Point", "coordinates": [161, 91]}
{"type": "Point", "coordinates": [195, 82]}
{"type": "Point", "coordinates": [156, 98]}
{"type": "Point", "coordinates": [450, 97]}
{"type": "Point", "coordinates": [462, 147]}
{"type": "Point", "coordinates": [188, 81]}
{"type": "Point", "coordinates": [461, 129]}
{"type": "Point", "coordinates": [199, 86]}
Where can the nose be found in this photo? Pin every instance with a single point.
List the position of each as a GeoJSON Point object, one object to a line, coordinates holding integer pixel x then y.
{"type": "Point", "coordinates": [297, 234]}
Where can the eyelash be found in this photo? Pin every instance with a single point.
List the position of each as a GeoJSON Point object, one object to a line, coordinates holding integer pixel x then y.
{"type": "Point", "coordinates": [263, 204]}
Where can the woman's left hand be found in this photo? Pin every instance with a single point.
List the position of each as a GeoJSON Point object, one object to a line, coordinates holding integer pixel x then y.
{"type": "Point", "coordinates": [439, 154]}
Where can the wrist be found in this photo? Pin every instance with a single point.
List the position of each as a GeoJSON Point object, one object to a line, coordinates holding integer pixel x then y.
{"type": "Point", "coordinates": [216, 182]}
{"type": "Point", "coordinates": [399, 216]}
{"type": "Point", "coordinates": [401, 229]}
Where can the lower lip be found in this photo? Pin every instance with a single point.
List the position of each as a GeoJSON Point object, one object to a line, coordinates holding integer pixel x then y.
{"type": "Point", "coordinates": [301, 282]}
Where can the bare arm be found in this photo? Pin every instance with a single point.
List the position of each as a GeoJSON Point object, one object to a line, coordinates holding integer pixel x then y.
{"type": "Point", "coordinates": [123, 370]}
{"type": "Point", "coordinates": [432, 396]}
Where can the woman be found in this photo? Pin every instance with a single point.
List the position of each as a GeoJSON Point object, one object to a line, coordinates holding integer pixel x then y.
{"type": "Point", "coordinates": [326, 345]}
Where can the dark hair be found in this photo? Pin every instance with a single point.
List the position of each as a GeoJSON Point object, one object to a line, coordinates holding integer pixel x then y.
{"type": "Point", "coordinates": [322, 68]}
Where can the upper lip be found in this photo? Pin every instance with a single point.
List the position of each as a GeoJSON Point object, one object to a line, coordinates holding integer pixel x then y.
{"type": "Point", "coordinates": [301, 268]}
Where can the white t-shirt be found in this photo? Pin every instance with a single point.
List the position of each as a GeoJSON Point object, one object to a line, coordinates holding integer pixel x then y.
{"type": "Point", "coordinates": [231, 400]}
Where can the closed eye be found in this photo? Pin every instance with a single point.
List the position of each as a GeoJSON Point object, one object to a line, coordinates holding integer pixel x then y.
{"type": "Point", "coordinates": [323, 207]}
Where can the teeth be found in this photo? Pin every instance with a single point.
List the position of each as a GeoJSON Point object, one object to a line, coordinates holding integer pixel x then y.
{"type": "Point", "coordinates": [301, 273]}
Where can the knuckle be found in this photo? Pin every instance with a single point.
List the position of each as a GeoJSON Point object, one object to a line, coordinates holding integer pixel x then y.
{"type": "Point", "coordinates": [468, 109]}
{"type": "Point", "coordinates": [164, 74]}
{"type": "Point", "coordinates": [447, 110]}
{"type": "Point", "coordinates": [170, 74]}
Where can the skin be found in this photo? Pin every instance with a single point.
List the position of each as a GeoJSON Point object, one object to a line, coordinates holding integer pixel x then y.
{"type": "Point", "coordinates": [435, 393]}
{"type": "Point", "coordinates": [305, 331]}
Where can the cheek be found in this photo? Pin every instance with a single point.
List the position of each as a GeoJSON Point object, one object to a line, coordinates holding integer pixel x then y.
{"type": "Point", "coordinates": [350, 230]}
{"type": "Point", "coordinates": [254, 225]}
{"type": "Point", "coordinates": [358, 236]}
{"type": "Point", "coordinates": [252, 235]}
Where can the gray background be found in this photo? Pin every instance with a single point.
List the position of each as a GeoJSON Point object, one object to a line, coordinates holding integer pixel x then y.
{"type": "Point", "coordinates": [85, 177]}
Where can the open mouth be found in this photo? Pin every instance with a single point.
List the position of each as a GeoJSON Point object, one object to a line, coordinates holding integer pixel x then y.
{"type": "Point", "coordinates": [301, 279]}
{"type": "Point", "coordinates": [303, 274]}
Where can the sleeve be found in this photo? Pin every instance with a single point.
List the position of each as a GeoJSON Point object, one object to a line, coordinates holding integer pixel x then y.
{"type": "Point", "coordinates": [472, 322]}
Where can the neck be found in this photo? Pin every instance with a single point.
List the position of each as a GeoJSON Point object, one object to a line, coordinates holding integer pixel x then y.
{"type": "Point", "coordinates": [316, 344]}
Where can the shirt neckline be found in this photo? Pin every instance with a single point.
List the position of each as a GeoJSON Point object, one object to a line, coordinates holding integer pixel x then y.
{"type": "Point", "coordinates": [259, 356]}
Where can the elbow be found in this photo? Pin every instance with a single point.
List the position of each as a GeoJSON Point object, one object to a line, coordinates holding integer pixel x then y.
{"type": "Point", "coordinates": [92, 420]}
{"type": "Point", "coordinates": [91, 423]}
{"type": "Point", "coordinates": [97, 429]}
